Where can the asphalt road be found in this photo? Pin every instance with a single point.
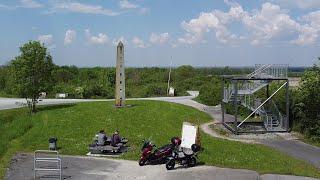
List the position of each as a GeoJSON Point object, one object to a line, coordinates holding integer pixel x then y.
{"type": "Point", "coordinates": [11, 103]}
{"type": "Point", "coordinates": [84, 168]}
{"type": "Point", "coordinates": [296, 149]}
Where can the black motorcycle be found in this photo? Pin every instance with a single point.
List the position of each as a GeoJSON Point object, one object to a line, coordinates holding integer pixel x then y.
{"type": "Point", "coordinates": [184, 157]}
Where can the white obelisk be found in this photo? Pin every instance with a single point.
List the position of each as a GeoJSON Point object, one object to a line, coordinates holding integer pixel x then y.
{"type": "Point", "coordinates": [120, 95]}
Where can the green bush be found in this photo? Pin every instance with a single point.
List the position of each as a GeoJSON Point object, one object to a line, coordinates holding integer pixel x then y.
{"type": "Point", "coordinates": [210, 92]}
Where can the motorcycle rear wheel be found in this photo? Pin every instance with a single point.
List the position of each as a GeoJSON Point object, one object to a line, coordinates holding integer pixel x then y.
{"type": "Point", "coordinates": [192, 162]}
{"type": "Point", "coordinates": [170, 164]}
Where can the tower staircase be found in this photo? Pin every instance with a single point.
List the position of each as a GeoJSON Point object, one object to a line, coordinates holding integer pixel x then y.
{"type": "Point", "coordinates": [246, 90]}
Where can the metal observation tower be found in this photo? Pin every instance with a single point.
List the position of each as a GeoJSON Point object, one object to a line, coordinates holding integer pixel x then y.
{"type": "Point", "coordinates": [252, 92]}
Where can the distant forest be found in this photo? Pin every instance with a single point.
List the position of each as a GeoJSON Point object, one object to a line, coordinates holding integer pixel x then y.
{"type": "Point", "coordinates": [98, 82]}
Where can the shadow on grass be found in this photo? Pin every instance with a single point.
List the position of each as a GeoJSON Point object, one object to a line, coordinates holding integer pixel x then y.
{"type": "Point", "coordinates": [131, 105]}
{"type": "Point", "coordinates": [54, 107]}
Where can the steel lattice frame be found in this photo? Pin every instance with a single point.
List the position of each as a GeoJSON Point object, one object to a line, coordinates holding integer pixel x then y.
{"type": "Point", "coordinates": [235, 81]}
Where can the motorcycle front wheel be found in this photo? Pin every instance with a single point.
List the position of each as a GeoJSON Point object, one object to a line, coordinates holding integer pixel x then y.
{"type": "Point", "coordinates": [170, 164]}
{"type": "Point", "coordinates": [142, 162]}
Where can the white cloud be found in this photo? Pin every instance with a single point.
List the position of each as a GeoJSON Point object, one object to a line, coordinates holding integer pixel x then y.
{"type": "Point", "coordinates": [138, 43]}
{"type": "Point", "coordinates": [70, 36]}
{"type": "Point", "coordinates": [301, 4]}
{"type": "Point", "coordinates": [230, 3]}
{"type": "Point", "coordinates": [30, 4]}
{"type": "Point", "coordinates": [262, 26]}
{"type": "Point", "coordinates": [159, 38]}
{"type": "Point", "coordinates": [125, 4]}
{"type": "Point", "coordinates": [313, 18]}
{"type": "Point", "coordinates": [308, 35]}
{"type": "Point", "coordinates": [83, 8]}
{"type": "Point", "coordinates": [47, 40]}
{"type": "Point", "coordinates": [214, 21]}
{"type": "Point", "coordinates": [309, 32]}
{"type": "Point", "coordinates": [269, 23]}
{"type": "Point", "coordinates": [100, 39]}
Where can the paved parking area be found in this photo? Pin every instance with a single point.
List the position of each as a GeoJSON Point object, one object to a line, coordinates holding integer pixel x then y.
{"type": "Point", "coordinates": [84, 168]}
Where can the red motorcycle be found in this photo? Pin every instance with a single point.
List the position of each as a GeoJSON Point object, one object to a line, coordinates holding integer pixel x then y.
{"type": "Point", "coordinates": [153, 155]}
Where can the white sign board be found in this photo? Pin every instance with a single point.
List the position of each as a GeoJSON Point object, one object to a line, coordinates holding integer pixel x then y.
{"type": "Point", "coordinates": [189, 135]}
{"type": "Point", "coordinates": [171, 91]}
{"type": "Point", "coordinates": [61, 95]}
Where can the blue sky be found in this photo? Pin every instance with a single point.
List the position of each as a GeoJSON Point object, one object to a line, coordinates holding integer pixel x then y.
{"type": "Point", "coordinates": [198, 33]}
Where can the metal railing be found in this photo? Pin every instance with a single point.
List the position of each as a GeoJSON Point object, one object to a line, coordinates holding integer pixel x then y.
{"type": "Point", "coordinates": [49, 157]}
{"type": "Point", "coordinates": [271, 70]}
{"type": "Point", "coordinates": [259, 69]}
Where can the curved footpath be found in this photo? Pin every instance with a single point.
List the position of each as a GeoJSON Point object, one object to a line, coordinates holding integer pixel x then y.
{"type": "Point", "coordinates": [75, 167]}
{"type": "Point", "coordinates": [287, 144]}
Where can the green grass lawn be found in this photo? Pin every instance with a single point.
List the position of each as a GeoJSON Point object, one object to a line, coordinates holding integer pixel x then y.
{"type": "Point", "coordinates": [75, 126]}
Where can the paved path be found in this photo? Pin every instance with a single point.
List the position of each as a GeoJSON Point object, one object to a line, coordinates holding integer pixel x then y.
{"type": "Point", "coordinates": [12, 103]}
{"type": "Point", "coordinates": [295, 148]}
{"type": "Point", "coordinates": [83, 168]}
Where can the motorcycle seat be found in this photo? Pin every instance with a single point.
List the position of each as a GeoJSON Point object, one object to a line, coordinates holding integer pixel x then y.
{"type": "Point", "coordinates": [187, 151]}
{"type": "Point", "coordinates": [164, 148]}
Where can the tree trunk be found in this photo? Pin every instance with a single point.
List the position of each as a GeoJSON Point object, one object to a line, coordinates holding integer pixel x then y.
{"type": "Point", "coordinates": [34, 109]}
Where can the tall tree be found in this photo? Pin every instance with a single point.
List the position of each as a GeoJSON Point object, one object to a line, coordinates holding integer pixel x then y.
{"type": "Point", "coordinates": [32, 71]}
{"type": "Point", "coordinates": [307, 111]}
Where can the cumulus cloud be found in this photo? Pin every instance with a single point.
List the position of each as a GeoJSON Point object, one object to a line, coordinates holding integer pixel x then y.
{"type": "Point", "coordinates": [138, 43]}
{"type": "Point", "coordinates": [313, 18]}
{"type": "Point", "coordinates": [83, 8]}
{"type": "Point", "coordinates": [159, 38]}
{"type": "Point", "coordinates": [270, 22]}
{"type": "Point", "coordinates": [100, 39]}
{"type": "Point", "coordinates": [70, 36]}
{"type": "Point", "coordinates": [309, 32]}
{"type": "Point", "coordinates": [46, 40]}
{"type": "Point", "coordinates": [308, 35]}
{"type": "Point", "coordinates": [214, 21]}
{"type": "Point", "coordinates": [125, 4]}
{"type": "Point", "coordinates": [264, 25]}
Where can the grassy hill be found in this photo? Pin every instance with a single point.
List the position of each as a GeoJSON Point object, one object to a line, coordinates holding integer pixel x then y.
{"type": "Point", "coordinates": [75, 126]}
